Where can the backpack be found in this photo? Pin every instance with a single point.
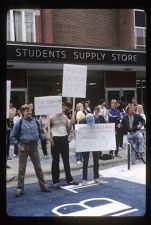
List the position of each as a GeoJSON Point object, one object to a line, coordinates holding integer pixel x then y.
{"type": "Point", "coordinates": [19, 129]}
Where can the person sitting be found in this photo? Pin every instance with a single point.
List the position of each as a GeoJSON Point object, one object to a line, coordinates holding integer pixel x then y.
{"type": "Point", "coordinates": [132, 124]}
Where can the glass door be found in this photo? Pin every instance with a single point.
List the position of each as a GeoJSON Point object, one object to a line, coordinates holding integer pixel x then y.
{"type": "Point", "coordinates": [18, 97]}
{"type": "Point", "coordinates": [117, 93]}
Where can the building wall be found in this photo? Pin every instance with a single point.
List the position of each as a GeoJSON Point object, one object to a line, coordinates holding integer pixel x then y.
{"type": "Point", "coordinates": [44, 29]}
{"type": "Point", "coordinates": [86, 27]}
{"type": "Point", "coordinates": [126, 26]}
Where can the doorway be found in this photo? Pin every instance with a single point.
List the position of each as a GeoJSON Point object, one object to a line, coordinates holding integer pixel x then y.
{"type": "Point", "coordinates": [117, 93]}
{"type": "Point", "coordinates": [18, 97]}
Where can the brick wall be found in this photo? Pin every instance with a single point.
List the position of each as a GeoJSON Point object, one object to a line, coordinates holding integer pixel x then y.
{"type": "Point", "coordinates": [86, 27]}
{"type": "Point", "coordinates": [44, 32]}
{"type": "Point", "coordinates": [126, 25]}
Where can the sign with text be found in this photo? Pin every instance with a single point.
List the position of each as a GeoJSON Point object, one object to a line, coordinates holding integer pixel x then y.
{"type": "Point", "coordinates": [8, 90]}
{"type": "Point", "coordinates": [97, 137]}
{"type": "Point", "coordinates": [74, 55]}
{"type": "Point", "coordinates": [74, 81]}
{"type": "Point", "coordinates": [48, 104]}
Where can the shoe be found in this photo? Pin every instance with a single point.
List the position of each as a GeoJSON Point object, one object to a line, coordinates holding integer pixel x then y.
{"type": "Point", "coordinates": [79, 162]}
{"type": "Point", "coordinates": [19, 193]}
{"type": "Point", "coordinates": [98, 181]}
{"type": "Point", "coordinates": [72, 182]}
{"type": "Point", "coordinates": [46, 156]}
{"type": "Point", "coordinates": [84, 183]}
{"type": "Point", "coordinates": [9, 158]}
{"type": "Point", "coordinates": [46, 190]}
{"type": "Point", "coordinates": [15, 155]}
{"type": "Point", "coordinates": [119, 148]}
{"type": "Point", "coordinates": [133, 162]}
{"type": "Point", "coordinates": [56, 186]}
{"type": "Point", "coordinates": [8, 167]}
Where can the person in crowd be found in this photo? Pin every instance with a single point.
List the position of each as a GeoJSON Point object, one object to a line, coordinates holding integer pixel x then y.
{"type": "Point", "coordinates": [134, 102]}
{"type": "Point", "coordinates": [87, 107]}
{"type": "Point", "coordinates": [79, 116]}
{"type": "Point", "coordinates": [26, 133]}
{"type": "Point", "coordinates": [7, 141]}
{"type": "Point", "coordinates": [90, 120]}
{"type": "Point", "coordinates": [132, 124]}
{"type": "Point", "coordinates": [119, 128]}
{"type": "Point", "coordinates": [31, 105]}
{"type": "Point", "coordinates": [98, 119]}
{"type": "Point", "coordinates": [115, 117]}
{"type": "Point", "coordinates": [44, 126]}
{"type": "Point", "coordinates": [16, 118]}
{"type": "Point", "coordinates": [60, 128]}
{"type": "Point", "coordinates": [8, 130]}
{"type": "Point", "coordinates": [12, 114]}
{"type": "Point", "coordinates": [140, 111]}
{"type": "Point", "coordinates": [103, 111]}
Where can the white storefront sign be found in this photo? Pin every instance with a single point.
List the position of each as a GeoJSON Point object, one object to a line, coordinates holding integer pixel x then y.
{"type": "Point", "coordinates": [48, 104]}
{"type": "Point", "coordinates": [74, 81]}
{"type": "Point", "coordinates": [97, 137]}
{"type": "Point", "coordinates": [8, 90]}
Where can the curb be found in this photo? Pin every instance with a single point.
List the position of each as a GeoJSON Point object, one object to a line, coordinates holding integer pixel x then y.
{"type": "Point", "coordinates": [102, 163]}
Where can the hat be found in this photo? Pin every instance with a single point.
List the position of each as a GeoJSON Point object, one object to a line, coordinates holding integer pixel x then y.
{"type": "Point", "coordinates": [90, 119]}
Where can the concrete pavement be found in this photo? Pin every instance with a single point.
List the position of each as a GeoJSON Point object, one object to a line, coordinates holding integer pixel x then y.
{"type": "Point", "coordinates": [46, 163]}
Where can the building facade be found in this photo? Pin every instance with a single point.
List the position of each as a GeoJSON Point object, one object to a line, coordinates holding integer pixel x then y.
{"type": "Point", "coordinates": [111, 42]}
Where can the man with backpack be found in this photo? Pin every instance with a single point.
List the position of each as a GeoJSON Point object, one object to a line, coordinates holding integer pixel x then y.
{"type": "Point", "coordinates": [26, 133]}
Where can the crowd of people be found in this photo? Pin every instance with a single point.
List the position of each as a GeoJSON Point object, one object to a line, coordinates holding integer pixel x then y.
{"type": "Point", "coordinates": [25, 129]}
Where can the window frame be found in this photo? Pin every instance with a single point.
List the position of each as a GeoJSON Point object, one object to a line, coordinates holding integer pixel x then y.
{"type": "Point", "coordinates": [24, 31]}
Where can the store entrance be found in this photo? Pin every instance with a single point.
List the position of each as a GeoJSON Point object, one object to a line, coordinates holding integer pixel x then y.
{"type": "Point", "coordinates": [117, 93]}
{"type": "Point", "coordinates": [18, 97]}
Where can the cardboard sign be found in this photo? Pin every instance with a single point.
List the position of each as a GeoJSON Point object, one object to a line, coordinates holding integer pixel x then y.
{"type": "Point", "coordinates": [8, 91]}
{"type": "Point", "coordinates": [96, 137]}
{"type": "Point", "coordinates": [74, 81]}
{"type": "Point", "coordinates": [48, 104]}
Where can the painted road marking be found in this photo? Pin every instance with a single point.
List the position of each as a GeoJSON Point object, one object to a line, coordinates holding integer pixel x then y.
{"type": "Point", "coordinates": [73, 187]}
{"type": "Point", "coordinates": [103, 209]}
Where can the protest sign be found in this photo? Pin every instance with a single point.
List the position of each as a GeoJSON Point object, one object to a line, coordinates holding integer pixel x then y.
{"type": "Point", "coordinates": [74, 81]}
{"type": "Point", "coordinates": [48, 104]}
{"type": "Point", "coordinates": [96, 137]}
{"type": "Point", "coordinates": [8, 91]}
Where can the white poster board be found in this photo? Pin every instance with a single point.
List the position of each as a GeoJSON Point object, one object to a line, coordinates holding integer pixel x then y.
{"type": "Point", "coordinates": [48, 104]}
{"type": "Point", "coordinates": [74, 81]}
{"type": "Point", "coordinates": [8, 91]}
{"type": "Point", "coordinates": [98, 137]}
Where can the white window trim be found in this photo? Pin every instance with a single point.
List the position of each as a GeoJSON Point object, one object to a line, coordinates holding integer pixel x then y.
{"type": "Point", "coordinates": [11, 24]}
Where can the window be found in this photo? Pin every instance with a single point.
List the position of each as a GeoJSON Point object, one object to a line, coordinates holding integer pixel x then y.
{"type": "Point", "coordinates": [21, 25]}
{"type": "Point", "coordinates": [140, 29]}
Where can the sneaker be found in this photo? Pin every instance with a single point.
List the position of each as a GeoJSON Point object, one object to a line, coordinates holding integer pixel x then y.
{"type": "Point", "coordinates": [56, 186]}
{"type": "Point", "coordinates": [9, 158]}
{"type": "Point", "coordinates": [119, 148]}
{"type": "Point", "coordinates": [46, 156]}
{"type": "Point", "coordinates": [15, 155]}
{"type": "Point", "coordinates": [72, 182]}
{"type": "Point", "coordinates": [133, 162]}
{"type": "Point", "coordinates": [79, 162]}
{"type": "Point", "coordinates": [8, 167]}
{"type": "Point", "coordinates": [98, 181]}
{"type": "Point", "coordinates": [84, 183]}
{"type": "Point", "coordinates": [46, 190]}
{"type": "Point", "coordinates": [19, 193]}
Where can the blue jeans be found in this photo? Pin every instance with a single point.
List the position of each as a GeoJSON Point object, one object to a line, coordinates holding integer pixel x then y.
{"type": "Point", "coordinates": [137, 140]}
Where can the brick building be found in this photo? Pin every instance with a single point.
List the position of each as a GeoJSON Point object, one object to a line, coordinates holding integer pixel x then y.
{"type": "Point", "coordinates": [111, 42]}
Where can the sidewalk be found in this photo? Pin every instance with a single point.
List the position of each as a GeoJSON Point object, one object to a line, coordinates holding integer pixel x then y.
{"type": "Point", "coordinates": [46, 163]}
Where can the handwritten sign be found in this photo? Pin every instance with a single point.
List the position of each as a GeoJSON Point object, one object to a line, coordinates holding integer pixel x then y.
{"type": "Point", "coordinates": [8, 91]}
{"type": "Point", "coordinates": [74, 81]}
{"type": "Point", "coordinates": [98, 137]}
{"type": "Point", "coordinates": [48, 104]}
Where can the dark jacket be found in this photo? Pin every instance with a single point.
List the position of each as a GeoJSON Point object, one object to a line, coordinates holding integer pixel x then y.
{"type": "Point", "coordinates": [137, 120]}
